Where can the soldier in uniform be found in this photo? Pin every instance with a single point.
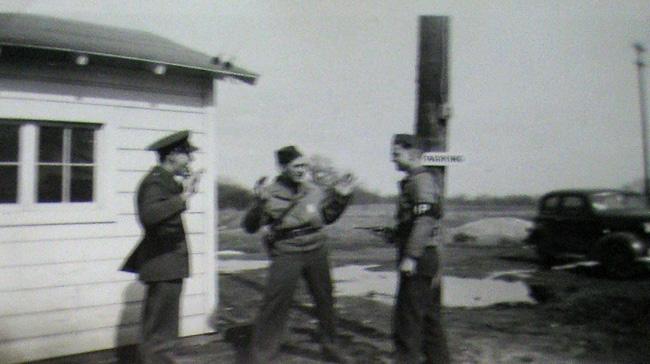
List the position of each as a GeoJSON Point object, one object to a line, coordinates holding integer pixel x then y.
{"type": "Point", "coordinates": [161, 257]}
{"type": "Point", "coordinates": [418, 329]}
{"type": "Point", "coordinates": [293, 211]}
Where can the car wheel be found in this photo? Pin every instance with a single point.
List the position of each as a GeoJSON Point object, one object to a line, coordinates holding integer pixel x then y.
{"type": "Point", "coordinates": [617, 256]}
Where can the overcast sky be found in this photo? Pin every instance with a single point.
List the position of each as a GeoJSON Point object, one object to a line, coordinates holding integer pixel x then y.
{"type": "Point", "coordinates": [544, 93]}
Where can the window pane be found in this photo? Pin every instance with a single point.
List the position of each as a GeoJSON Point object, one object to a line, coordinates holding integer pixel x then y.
{"type": "Point", "coordinates": [49, 183]}
{"type": "Point", "coordinates": [8, 143]}
{"type": "Point", "coordinates": [551, 203]}
{"type": "Point", "coordinates": [573, 202]}
{"type": "Point", "coordinates": [50, 144]}
{"type": "Point", "coordinates": [82, 145]}
{"type": "Point", "coordinates": [81, 189]}
{"type": "Point", "coordinates": [9, 183]}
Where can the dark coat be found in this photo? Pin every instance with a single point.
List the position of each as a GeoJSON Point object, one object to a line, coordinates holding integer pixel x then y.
{"type": "Point", "coordinates": [418, 213]}
{"type": "Point", "coordinates": [292, 207]}
{"type": "Point", "coordinates": [162, 253]}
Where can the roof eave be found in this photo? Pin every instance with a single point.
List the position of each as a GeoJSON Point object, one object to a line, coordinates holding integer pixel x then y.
{"type": "Point", "coordinates": [217, 72]}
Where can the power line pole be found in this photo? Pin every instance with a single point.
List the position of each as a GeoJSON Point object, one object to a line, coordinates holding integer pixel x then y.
{"type": "Point", "coordinates": [433, 88]}
{"type": "Point", "coordinates": [644, 118]}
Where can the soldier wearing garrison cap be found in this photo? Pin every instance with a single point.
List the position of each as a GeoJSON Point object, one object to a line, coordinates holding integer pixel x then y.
{"type": "Point", "coordinates": [161, 258]}
{"type": "Point", "coordinates": [293, 210]}
{"type": "Point", "coordinates": [418, 330]}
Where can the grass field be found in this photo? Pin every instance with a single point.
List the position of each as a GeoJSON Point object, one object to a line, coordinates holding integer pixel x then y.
{"type": "Point", "coordinates": [343, 234]}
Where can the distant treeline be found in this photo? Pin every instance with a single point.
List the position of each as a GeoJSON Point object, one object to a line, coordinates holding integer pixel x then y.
{"type": "Point", "coordinates": [231, 196]}
{"type": "Point", "coordinates": [485, 200]}
{"type": "Point", "coordinates": [234, 196]}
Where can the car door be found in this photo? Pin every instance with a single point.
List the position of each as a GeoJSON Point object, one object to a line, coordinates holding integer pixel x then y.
{"type": "Point", "coordinates": [574, 222]}
{"type": "Point", "coordinates": [547, 217]}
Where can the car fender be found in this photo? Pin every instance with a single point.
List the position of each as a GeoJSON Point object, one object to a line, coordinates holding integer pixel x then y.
{"type": "Point", "coordinates": [632, 244]}
{"type": "Point", "coordinates": [535, 235]}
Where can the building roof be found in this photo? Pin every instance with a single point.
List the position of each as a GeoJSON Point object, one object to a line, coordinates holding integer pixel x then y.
{"type": "Point", "coordinates": [48, 33]}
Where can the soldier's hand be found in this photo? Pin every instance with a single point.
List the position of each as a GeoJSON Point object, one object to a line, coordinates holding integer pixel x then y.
{"type": "Point", "coordinates": [346, 184]}
{"type": "Point", "coordinates": [407, 266]}
{"type": "Point", "coordinates": [191, 183]}
{"type": "Point", "coordinates": [259, 190]}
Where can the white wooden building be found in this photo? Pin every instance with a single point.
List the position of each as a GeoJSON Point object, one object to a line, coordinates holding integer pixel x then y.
{"type": "Point", "coordinates": [78, 105]}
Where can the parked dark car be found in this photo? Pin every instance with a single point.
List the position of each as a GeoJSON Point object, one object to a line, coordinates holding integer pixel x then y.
{"type": "Point", "coordinates": [608, 226]}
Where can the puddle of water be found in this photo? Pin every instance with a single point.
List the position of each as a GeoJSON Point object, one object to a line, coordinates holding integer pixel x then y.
{"type": "Point", "coordinates": [359, 280]}
{"type": "Point", "coordinates": [471, 292]}
{"type": "Point", "coordinates": [520, 273]}
{"type": "Point", "coordinates": [575, 265]}
{"type": "Point", "coordinates": [239, 265]}
{"type": "Point", "coordinates": [227, 253]}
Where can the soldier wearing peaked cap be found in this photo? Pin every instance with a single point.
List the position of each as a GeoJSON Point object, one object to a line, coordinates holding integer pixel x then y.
{"type": "Point", "coordinates": [294, 211]}
{"type": "Point", "coordinates": [161, 258]}
{"type": "Point", "coordinates": [417, 321]}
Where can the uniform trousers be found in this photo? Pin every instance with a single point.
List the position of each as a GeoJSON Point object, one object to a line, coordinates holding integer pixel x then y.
{"type": "Point", "coordinates": [417, 322]}
{"type": "Point", "coordinates": [160, 321]}
{"type": "Point", "coordinates": [282, 279]}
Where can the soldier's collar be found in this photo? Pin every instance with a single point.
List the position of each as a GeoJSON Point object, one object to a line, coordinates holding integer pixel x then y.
{"type": "Point", "coordinates": [160, 170]}
{"type": "Point", "coordinates": [418, 170]}
{"type": "Point", "coordinates": [291, 186]}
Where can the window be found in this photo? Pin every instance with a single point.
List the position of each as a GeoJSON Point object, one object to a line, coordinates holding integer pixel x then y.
{"type": "Point", "coordinates": [47, 162]}
{"type": "Point", "coordinates": [9, 163]}
{"type": "Point", "coordinates": [573, 205]}
{"type": "Point", "coordinates": [65, 164]}
{"type": "Point", "coordinates": [551, 204]}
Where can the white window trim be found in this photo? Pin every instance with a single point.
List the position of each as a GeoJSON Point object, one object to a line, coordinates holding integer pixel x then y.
{"type": "Point", "coordinates": [28, 212]}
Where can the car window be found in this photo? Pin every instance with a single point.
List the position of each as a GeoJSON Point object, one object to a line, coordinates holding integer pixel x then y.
{"type": "Point", "coordinates": [550, 204]}
{"type": "Point", "coordinates": [572, 205]}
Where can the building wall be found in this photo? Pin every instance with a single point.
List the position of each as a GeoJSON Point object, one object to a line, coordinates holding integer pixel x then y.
{"type": "Point", "coordinates": [60, 288]}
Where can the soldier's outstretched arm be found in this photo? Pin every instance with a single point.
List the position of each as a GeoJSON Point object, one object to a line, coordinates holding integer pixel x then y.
{"type": "Point", "coordinates": [255, 217]}
{"type": "Point", "coordinates": [337, 198]}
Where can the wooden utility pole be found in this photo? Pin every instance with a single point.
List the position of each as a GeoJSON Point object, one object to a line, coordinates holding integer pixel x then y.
{"type": "Point", "coordinates": [644, 118]}
{"type": "Point", "coordinates": [433, 110]}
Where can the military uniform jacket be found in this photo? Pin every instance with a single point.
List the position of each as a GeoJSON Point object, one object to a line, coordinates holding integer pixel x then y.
{"type": "Point", "coordinates": [162, 253]}
{"type": "Point", "coordinates": [418, 213]}
{"type": "Point", "coordinates": [303, 207]}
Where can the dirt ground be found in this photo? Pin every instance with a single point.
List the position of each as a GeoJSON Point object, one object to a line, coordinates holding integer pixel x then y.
{"type": "Point", "coordinates": [580, 316]}
{"type": "Point", "coordinates": [577, 316]}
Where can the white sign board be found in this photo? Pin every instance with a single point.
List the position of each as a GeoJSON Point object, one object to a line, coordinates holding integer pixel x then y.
{"type": "Point", "coordinates": [441, 159]}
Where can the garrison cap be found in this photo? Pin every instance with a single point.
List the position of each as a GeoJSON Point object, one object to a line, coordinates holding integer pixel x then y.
{"type": "Point", "coordinates": [286, 154]}
{"type": "Point", "coordinates": [178, 140]}
{"type": "Point", "coordinates": [406, 140]}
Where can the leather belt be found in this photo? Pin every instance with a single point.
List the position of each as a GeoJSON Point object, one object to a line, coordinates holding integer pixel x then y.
{"type": "Point", "coordinates": [289, 234]}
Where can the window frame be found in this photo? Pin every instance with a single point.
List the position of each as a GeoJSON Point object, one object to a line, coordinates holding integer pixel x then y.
{"type": "Point", "coordinates": [27, 210]}
{"type": "Point", "coordinates": [570, 209]}
{"type": "Point", "coordinates": [16, 164]}
{"type": "Point", "coordinates": [66, 162]}
{"type": "Point", "coordinates": [550, 204]}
